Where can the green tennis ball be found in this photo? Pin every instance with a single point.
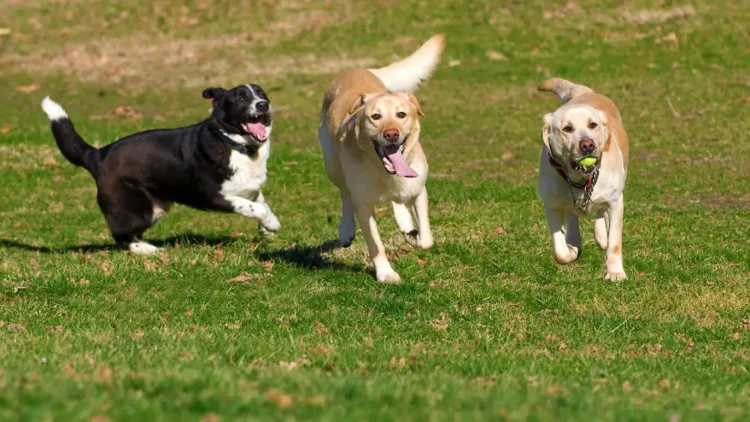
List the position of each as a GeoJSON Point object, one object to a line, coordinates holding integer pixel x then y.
{"type": "Point", "coordinates": [587, 162]}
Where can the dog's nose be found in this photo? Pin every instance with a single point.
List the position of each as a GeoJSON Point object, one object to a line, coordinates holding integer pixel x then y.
{"type": "Point", "coordinates": [262, 106]}
{"type": "Point", "coordinates": [587, 145]}
{"type": "Point", "coordinates": [391, 135]}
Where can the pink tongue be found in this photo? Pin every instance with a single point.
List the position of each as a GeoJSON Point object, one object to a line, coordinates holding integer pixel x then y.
{"type": "Point", "coordinates": [256, 129]}
{"type": "Point", "coordinates": [393, 152]}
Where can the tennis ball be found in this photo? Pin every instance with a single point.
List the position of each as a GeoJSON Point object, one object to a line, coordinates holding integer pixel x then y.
{"type": "Point", "coordinates": [587, 162]}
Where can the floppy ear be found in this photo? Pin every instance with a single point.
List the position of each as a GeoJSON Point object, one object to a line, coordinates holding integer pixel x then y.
{"type": "Point", "coordinates": [413, 100]}
{"type": "Point", "coordinates": [604, 130]}
{"type": "Point", "coordinates": [213, 94]}
{"type": "Point", "coordinates": [359, 102]}
{"type": "Point", "coordinates": [547, 130]}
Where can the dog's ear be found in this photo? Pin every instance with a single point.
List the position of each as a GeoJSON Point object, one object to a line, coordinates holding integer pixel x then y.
{"type": "Point", "coordinates": [213, 94]}
{"type": "Point", "coordinates": [360, 102]}
{"type": "Point", "coordinates": [413, 100]}
{"type": "Point", "coordinates": [547, 130]}
{"type": "Point", "coordinates": [604, 130]}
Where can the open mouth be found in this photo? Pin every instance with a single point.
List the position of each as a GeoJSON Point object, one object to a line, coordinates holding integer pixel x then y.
{"type": "Point", "coordinates": [257, 126]}
{"type": "Point", "coordinates": [393, 159]}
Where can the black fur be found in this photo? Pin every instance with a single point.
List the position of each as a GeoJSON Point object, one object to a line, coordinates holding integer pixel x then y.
{"type": "Point", "coordinates": [158, 167]}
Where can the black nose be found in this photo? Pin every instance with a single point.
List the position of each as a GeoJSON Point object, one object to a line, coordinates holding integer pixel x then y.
{"type": "Point", "coordinates": [262, 106]}
{"type": "Point", "coordinates": [587, 145]}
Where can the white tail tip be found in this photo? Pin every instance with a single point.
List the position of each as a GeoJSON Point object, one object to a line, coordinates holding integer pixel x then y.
{"type": "Point", "coordinates": [54, 111]}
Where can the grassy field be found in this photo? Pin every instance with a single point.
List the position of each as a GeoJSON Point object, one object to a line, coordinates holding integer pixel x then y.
{"type": "Point", "coordinates": [224, 326]}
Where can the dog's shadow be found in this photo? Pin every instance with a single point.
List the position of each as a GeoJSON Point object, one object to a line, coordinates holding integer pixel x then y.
{"type": "Point", "coordinates": [189, 238]}
{"type": "Point", "coordinates": [310, 257]}
{"type": "Point", "coordinates": [307, 257]}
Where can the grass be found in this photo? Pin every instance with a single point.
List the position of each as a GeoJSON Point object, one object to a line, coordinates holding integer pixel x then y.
{"type": "Point", "coordinates": [225, 326]}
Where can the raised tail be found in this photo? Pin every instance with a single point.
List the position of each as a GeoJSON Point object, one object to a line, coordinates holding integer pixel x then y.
{"type": "Point", "coordinates": [406, 74]}
{"type": "Point", "coordinates": [72, 146]}
{"type": "Point", "coordinates": [566, 90]}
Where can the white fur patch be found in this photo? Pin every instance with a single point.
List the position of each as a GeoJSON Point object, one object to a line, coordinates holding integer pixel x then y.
{"type": "Point", "coordinates": [54, 111]}
{"type": "Point", "coordinates": [249, 173]}
{"type": "Point", "coordinates": [160, 210]}
{"type": "Point", "coordinates": [142, 248]}
{"type": "Point", "coordinates": [242, 140]}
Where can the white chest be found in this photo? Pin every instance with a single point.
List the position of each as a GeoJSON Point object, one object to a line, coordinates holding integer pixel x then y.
{"type": "Point", "coordinates": [249, 174]}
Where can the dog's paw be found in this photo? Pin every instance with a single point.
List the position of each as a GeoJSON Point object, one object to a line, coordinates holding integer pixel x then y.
{"type": "Point", "coordinates": [265, 233]}
{"type": "Point", "coordinates": [142, 248]}
{"type": "Point", "coordinates": [615, 275]}
{"type": "Point", "coordinates": [566, 257]}
{"type": "Point", "coordinates": [389, 276]}
{"type": "Point", "coordinates": [384, 272]}
{"type": "Point", "coordinates": [270, 223]}
{"type": "Point", "coordinates": [347, 232]}
{"type": "Point", "coordinates": [415, 239]}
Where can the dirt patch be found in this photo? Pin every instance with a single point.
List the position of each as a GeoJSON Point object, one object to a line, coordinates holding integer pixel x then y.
{"type": "Point", "coordinates": [642, 17]}
{"type": "Point", "coordinates": [162, 60]}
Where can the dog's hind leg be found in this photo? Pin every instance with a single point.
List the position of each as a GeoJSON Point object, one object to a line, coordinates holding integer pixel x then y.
{"type": "Point", "coordinates": [573, 231]}
{"type": "Point", "coordinates": [129, 211]}
{"type": "Point", "coordinates": [421, 215]}
{"type": "Point", "coordinates": [347, 226]}
{"type": "Point", "coordinates": [601, 229]}
{"type": "Point", "coordinates": [405, 223]}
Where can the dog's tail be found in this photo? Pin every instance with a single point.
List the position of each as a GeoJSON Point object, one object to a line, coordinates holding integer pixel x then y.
{"type": "Point", "coordinates": [566, 90]}
{"type": "Point", "coordinates": [406, 74]}
{"type": "Point", "coordinates": [72, 146]}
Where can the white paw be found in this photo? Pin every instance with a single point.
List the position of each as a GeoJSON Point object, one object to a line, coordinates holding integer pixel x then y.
{"type": "Point", "coordinates": [601, 239]}
{"type": "Point", "coordinates": [415, 239]}
{"type": "Point", "coordinates": [566, 257]}
{"type": "Point", "coordinates": [425, 242]}
{"type": "Point", "coordinates": [347, 231]}
{"type": "Point", "coordinates": [387, 275]}
{"type": "Point", "coordinates": [142, 248]}
{"type": "Point", "coordinates": [615, 275]}
{"type": "Point", "coordinates": [270, 223]}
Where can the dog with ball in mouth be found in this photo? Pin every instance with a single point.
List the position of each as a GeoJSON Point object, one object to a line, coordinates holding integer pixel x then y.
{"type": "Point", "coordinates": [582, 172]}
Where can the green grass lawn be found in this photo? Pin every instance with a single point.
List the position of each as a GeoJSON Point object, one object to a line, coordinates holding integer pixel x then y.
{"type": "Point", "coordinates": [225, 326]}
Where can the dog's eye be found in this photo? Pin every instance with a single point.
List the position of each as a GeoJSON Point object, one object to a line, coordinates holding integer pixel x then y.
{"type": "Point", "coordinates": [376, 116]}
{"type": "Point", "coordinates": [568, 129]}
{"type": "Point", "coordinates": [401, 115]}
{"type": "Point", "coordinates": [593, 125]}
{"type": "Point", "coordinates": [242, 98]}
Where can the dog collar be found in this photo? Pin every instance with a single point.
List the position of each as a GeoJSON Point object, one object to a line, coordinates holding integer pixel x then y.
{"type": "Point", "coordinates": [249, 150]}
{"type": "Point", "coordinates": [587, 186]}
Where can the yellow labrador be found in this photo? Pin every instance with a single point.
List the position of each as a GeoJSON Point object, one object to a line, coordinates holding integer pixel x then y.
{"type": "Point", "coordinates": [369, 132]}
{"type": "Point", "coordinates": [587, 125]}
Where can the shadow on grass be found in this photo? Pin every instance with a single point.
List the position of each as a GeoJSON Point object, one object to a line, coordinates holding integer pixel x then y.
{"type": "Point", "coordinates": [310, 257]}
{"type": "Point", "coordinates": [189, 238]}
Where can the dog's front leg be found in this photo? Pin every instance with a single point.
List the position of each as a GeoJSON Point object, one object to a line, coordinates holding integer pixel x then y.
{"type": "Point", "coordinates": [564, 253]}
{"type": "Point", "coordinates": [242, 206]}
{"type": "Point", "coordinates": [269, 225]}
{"type": "Point", "coordinates": [421, 214]}
{"type": "Point", "coordinates": [383, 270]}
{"type": "Point", "coordinates": [615, 270]}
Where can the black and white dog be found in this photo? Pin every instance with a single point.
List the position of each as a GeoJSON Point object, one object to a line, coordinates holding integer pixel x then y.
{"type": "Point", "coordinates": [218, 164]}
